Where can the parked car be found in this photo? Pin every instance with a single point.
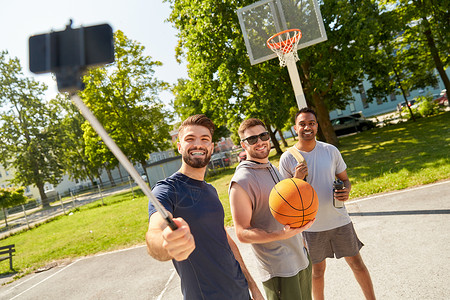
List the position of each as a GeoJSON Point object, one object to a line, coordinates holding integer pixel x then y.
{"type": "Point", "coordinates": [358, 115]}
{"type": "Point", "coordinates": [349, 124]}
{"type": "Point", "coordinates": [52, 194]}
{"type": "Point", "coordinates": [242, 156]}
{"type": "Point", "coordinates": [401, 105]}
{"type": "Point", "coordinates": [442, 100]}
{"type": "Point", "coordinates": [220, 160]}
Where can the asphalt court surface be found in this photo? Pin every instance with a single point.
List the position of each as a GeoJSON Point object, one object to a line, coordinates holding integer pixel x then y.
{"type": "Point", "coordinates": [407, 251]}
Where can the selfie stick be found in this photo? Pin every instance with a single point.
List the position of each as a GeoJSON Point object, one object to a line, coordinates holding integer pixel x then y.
{"type": "Point", "coordinates": [88, 115]}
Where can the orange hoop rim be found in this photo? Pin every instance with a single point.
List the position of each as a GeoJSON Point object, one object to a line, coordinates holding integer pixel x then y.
{"type": "Point", "coordinates": [285, 43]}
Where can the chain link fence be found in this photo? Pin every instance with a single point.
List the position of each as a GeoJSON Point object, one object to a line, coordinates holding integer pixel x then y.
{"type": "Point", "coordinates": [30, 214]}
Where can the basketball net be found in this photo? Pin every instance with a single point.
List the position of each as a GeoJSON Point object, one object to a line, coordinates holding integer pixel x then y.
{"type": "Point", "coordinates": [284, 44]}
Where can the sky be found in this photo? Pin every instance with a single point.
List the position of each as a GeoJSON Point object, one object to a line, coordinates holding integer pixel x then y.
{"type": "Point", "coordinates": [140, 20]}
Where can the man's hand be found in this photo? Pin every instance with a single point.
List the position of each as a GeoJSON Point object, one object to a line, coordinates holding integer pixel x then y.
{"type": "Point", "coordinates": [342, 195]}
{"type": "Point", "coordinates": [289, 231]}
{"type": "Point", "coordinates": [301, 170]}
{"type": "Point", "coordinates": [178, 243]}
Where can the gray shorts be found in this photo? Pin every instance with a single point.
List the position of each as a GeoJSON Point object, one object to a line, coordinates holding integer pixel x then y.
{"type": "Point", "coordinates": [338, 242]}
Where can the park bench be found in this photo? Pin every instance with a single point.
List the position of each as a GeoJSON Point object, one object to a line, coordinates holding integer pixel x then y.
{"type": "Point", "coordinates": [6, 252]}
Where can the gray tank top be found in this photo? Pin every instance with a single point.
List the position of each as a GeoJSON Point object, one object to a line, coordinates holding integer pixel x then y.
{"type": "Point", "coordinates": [283, 258]}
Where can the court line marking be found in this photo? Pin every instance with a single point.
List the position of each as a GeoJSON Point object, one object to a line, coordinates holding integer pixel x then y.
{"type": "Point", "coordinates": [69, 265]}
{"type": "Point", "coordinates": [32, 287]}
{"type": "Point", "coordinates": [19, 284]}
{"type": "Point", "coordinates": [398, 192]}
{"type": "Point", "coordinates": [167, 285]}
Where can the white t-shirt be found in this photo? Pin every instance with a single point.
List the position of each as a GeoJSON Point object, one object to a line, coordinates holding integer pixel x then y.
{"type": "Point", "coordinates": [324, 162]}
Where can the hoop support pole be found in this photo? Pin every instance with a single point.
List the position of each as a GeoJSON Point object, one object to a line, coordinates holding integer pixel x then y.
{"type": "Point", "coordinates": [296, 83]}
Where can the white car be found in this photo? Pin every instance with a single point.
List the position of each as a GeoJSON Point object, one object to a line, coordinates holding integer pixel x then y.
{"type": "Point", "coordinates": [51, 194]}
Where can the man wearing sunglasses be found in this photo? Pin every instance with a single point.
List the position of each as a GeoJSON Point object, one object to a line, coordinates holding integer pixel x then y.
{"type": "Point", "coordinates": [282, 258]}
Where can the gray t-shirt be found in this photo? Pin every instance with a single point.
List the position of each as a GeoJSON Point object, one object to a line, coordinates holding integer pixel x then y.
{"type": "Point", "coordinates": [283, 258]}
{"type": "Point", "coordinates": [324, 162]}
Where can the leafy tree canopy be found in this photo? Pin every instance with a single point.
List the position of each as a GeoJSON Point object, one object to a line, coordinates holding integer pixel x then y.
{"type": "Point", "coordinates": [10, 197]}
{"type": "Point", "coordinates": [27, 129]}
{"type": "Point", "coordinates": [421, 43]}
{"type": "Point", "coordinates": [224, 83]}
{"type": "Point", "coordinates": [124, 97]}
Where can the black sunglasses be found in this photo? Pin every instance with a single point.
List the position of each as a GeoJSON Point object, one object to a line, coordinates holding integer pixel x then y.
{"type": "Point", "coordinates": [251, 140]}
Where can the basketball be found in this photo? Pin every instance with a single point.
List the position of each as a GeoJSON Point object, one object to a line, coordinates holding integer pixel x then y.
{"type": "Point", "coordinates": [293, 202]}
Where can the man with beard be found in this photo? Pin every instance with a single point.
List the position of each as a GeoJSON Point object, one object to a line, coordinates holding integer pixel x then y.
{"type": "Point", "coordinates": [332, 235]}
{"type": "Point", "coordinates": [281, 256]}
{"type": "Point", "coordinates": [206, 258]}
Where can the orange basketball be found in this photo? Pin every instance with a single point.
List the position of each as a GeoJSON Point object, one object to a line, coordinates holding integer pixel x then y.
{"type": "Point", "coordinates": [293, 202]}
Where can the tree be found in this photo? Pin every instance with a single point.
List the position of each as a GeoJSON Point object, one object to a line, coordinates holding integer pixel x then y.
{"type": "Point", "coordinates": [425, 37]}
{"type": "Point", "coordinates": [186, 105]}
{"type": "Point", "coordinates": [27, 133]}
{"type": "Point", "coordinates": [124, 97]}
{"type": "Point", "coordinates": [225, 83]}
{"type": "Point", "coordinates": [73, 159]}
{"type": "Point", "coordinates": [10, 197]}
{"type": "Point", "coordinates": [394, 66]}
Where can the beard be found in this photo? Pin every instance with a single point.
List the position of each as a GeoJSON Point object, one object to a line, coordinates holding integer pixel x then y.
{"type": "Point", "coordinates": [197, 162]}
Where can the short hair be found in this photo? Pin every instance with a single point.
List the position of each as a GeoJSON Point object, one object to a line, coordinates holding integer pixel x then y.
{"type": "Point", "coordinates": [197, 120]}
{"type": "Point", "coordinates": [305, 110]}
{"type": "Point", "coordinates": [249, 123]}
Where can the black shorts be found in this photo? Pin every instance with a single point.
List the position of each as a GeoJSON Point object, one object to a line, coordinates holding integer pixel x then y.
{"type": "Point", "coordinates": [338, 242]}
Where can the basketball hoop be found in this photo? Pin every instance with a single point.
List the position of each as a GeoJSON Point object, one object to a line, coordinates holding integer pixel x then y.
{"type": "Point", "coordinates": [286, 46]}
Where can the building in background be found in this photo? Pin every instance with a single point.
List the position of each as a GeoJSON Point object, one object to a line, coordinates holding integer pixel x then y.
{"type": "Point", "coordinates": [385, 105]}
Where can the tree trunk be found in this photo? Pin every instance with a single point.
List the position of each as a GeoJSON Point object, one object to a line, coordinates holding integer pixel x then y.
{"type": "Point", "coordinates": [403, 93]}
{"type": "Point", "coordinates": [144, 166]}
{"type": "Point", "coordinates": [324, 120]}
{"type": "Point", "coordinates": [326, 131]}
{"type": "Point", "coordinates": [91, 179]}
{"type": "Point", "coordinates": [111, 179]}
{"type": "Point", "coordinates": [283, 140]}
{"type": "Point", "coordinates": [44, 199]}
{"type": "Point", "coordinates": [274, 140]}
{"type": "Point", "coordinates": [435, 54]}
{"type": "Point", "coordinates": [320, 136]}
{"type": "Point", "coordinates": [6, 217]}
{"type": "Point", "coordinates": [120, 173]}
{"type": "Point", "coordinates": [100, 181]}
{"type": "Point", "coordinates": [293, 133]}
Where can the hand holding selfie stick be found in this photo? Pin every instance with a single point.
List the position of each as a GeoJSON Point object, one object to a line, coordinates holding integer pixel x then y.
{"type": "Point", "coordinates": [67, 54]}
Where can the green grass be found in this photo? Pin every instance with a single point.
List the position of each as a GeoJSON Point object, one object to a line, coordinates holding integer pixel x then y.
{"type": "Point", "coordinates": [384, 159]}
{"type": "Point", "coordinates": [90, 229]}
{"type": "Point", "coordinates": [398, 156]}
{"type": "Point", "coordinates": [380, 160]}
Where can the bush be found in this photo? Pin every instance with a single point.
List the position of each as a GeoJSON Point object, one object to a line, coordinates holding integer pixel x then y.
{"type": "Point", "coordinates": [408, 116]}
{"type": "Point", "coordinates": [428, 108]}
{"type": "Point", "coordinates": [424, 107]}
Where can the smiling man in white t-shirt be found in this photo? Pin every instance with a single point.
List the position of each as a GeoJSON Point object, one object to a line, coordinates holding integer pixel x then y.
{"type": "Point", "coordinates": [332, 234]}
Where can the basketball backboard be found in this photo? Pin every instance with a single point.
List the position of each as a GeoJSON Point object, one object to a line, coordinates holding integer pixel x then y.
{"type": "Point", "coordinates": [265, 18]}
